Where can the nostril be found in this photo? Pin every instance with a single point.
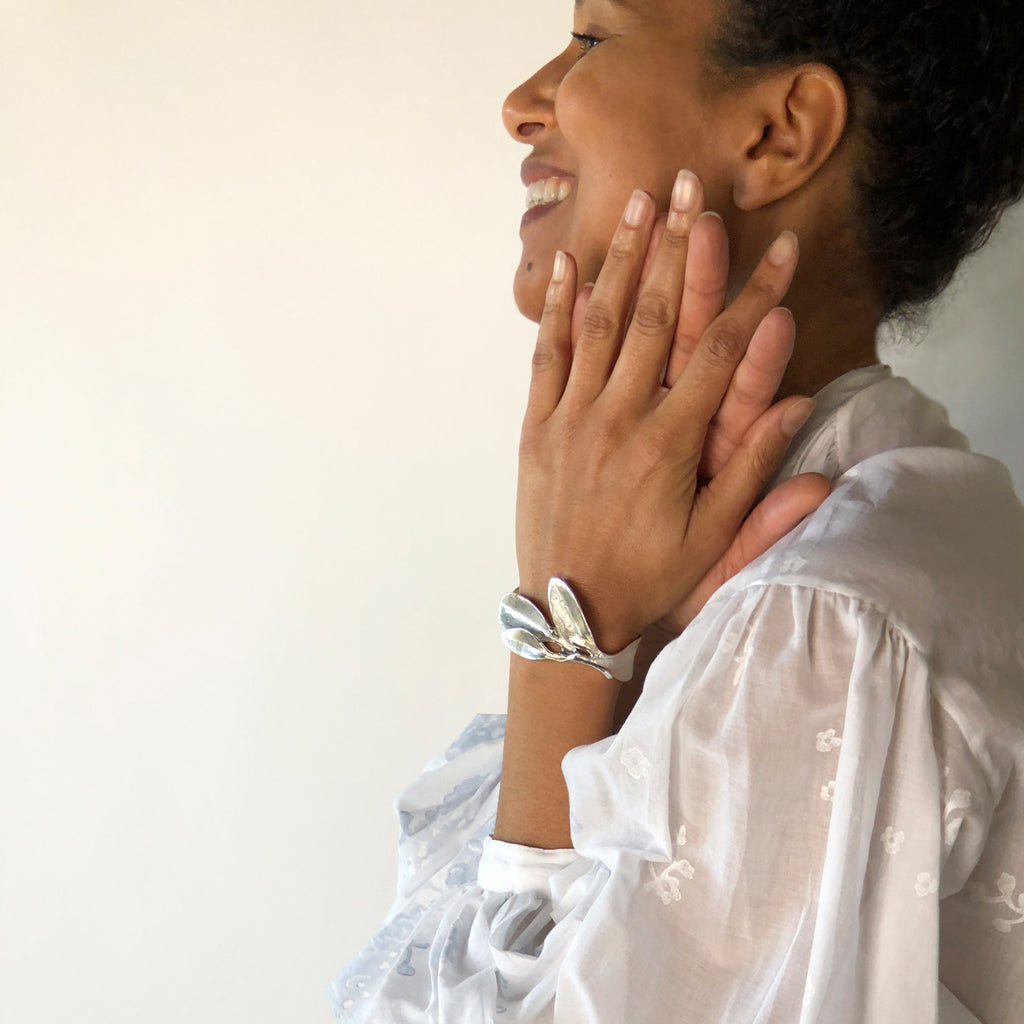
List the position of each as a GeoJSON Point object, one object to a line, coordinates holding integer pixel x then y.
{"type": "Point", "coordinates": [528, 129]}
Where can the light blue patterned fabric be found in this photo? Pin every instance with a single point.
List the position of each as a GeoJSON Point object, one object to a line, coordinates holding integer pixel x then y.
{"type": "Point", "coordinates": [455, 796]}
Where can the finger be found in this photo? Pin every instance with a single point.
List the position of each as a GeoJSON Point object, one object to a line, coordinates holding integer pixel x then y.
{"type": "Point", "coordinates": [752, 390]}
{"type": "Point", "coordinates": [723, 504]}
{"type": "Point", "coordinates": [605, 316]}
{"type": "Point", "coordinates": [781, 511]}
{"type": "Point", "coordinates": [579, 310]}
{"type": "Point", "coordinates": [697, 394]}
{"type": "Point", "coordinates": [704, 290]}
{"type": "Point", "coordinates": [652, 328]}
{"type": "Point", "coordinates": [657, 233]}
{"type": "Point", "coordinates": [552, 357]}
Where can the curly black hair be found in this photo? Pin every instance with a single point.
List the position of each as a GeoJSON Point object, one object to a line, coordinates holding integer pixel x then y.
{"type": "Point", "coordinates": [937, 94]}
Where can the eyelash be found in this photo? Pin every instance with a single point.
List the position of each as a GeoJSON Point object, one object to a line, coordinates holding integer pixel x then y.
{"type": "Point", "coordinates": [587, 42]}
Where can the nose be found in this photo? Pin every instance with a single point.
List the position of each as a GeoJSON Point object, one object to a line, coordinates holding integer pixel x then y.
{"type": "Point", "coordinates": [529, 110]}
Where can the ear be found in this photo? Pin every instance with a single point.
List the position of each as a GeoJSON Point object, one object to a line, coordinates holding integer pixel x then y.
{"type": "Point", "coordinates": [792, 122]}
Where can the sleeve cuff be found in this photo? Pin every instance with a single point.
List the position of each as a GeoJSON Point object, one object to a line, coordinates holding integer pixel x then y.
{"type": "Point", "coordinates": [508, 867]}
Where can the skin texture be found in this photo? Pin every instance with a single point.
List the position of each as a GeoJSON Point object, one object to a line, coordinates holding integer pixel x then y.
{"type": "Point", "coordinates": [611, 489]}
{"type": "Point", "coordinates": [634, 486]}
{"type": "Point", "coordinates": [635, 108]}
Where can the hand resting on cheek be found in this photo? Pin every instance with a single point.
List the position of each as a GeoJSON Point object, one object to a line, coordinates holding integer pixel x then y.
{"type": "Point", "coordinates": [651, 431]}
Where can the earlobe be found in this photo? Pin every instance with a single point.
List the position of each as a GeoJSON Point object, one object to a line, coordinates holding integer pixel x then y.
{"type": "Point", "coordinates": [795, 122]}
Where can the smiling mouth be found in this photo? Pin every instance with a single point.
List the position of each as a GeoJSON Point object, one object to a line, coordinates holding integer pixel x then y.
{"type": "Point", "coordinates": [548, 192]}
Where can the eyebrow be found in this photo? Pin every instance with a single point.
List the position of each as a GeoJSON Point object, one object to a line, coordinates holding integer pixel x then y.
{"type": "Point", "coordinates": [614, 3]}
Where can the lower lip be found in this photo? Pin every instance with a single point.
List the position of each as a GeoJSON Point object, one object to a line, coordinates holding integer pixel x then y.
{"type": "Point", "coordinates": [536, 212]}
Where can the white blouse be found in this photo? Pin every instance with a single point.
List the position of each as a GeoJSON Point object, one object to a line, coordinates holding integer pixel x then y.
{"type": "Point", "coordinates": [815, 811]}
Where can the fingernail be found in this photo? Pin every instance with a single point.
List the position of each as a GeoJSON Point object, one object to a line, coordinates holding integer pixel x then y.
{"type": "Point", "coordinates": [684, 192]}
{"type": "Point", "coordinates": [797, 416]}
{"type": "Point", "coordinates": [783, 249]}
{"type": "Point", "coordinates": [636, 209]}
{"type": "Point", "coordinates": [560, 269]}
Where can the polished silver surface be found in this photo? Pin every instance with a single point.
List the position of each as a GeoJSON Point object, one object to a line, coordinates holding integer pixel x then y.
{"type": "Point", "coordinates": [569, 619]}
{"type": "Point", "coordinates": [526, 632]}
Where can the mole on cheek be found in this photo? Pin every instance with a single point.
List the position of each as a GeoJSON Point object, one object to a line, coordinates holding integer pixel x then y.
{"type": "Point", "coordinates": [529, 267]}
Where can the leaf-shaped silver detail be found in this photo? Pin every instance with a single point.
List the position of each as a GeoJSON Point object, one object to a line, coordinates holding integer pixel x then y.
{"type": "Point", "coordinates": [526, 645]}
{"type": "Point", "coordinates": [517, 612]}
{"type": "Point", "coordinates": [568, 618]}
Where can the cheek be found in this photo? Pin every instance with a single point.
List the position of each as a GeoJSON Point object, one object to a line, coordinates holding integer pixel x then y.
{"type": "Point", "coordinates": [594, 224]}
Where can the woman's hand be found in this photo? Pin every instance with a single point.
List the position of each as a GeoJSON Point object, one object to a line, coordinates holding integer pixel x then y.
{"type": "Point", "coordinates": [634, 491]}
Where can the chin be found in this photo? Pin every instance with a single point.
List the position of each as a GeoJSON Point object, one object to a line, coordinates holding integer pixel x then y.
{"type": "Point", "coordinates": [528, 290]}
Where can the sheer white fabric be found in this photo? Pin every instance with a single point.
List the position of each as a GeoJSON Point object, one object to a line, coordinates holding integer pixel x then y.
{"type": "Point", "coordinates": [814, 813]}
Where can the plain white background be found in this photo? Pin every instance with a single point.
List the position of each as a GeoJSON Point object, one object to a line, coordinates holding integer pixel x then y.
{"type": "Point", "coordinates": [260, 387]}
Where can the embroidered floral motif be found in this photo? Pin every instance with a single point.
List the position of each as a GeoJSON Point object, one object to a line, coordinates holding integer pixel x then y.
{"type": "Point", "coordinates": [893, 840]}
{"type": "Point", "coordinates": [1006, 886]}
{"type": "Point", "coordinates": [793, 564]}
{"type": "Point", "coordinates": [959, 800]}
{"type": "Point", "coordinates": [665, 883]}
{"type": "Point", "coordinates": [926, 884]}
{"type": "Point", "coordinates": [742, 663]}
{"type": "Point", "coordinates": [635, 763]}
{"type": "Point", "coordinates": [829, 792]}
{"type": "Point", "coordinates": [358, 983]}
{"type": "Point", "coordinates": [828, 741]}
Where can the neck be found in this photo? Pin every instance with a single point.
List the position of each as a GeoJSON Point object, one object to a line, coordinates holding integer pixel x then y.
{"type": "Point", "coordinates": [832, 337]}
{"type": "Point", "coordinates": [833, 301]}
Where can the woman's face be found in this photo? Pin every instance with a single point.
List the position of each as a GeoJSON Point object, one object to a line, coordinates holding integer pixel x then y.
{"type": "Point", "coordinates": [604, 118]}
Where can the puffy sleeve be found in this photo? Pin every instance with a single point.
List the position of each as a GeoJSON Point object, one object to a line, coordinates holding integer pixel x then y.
{"type": "Point", "coordinates": [478, 926]}
{"type": "Point", "coordinates": [767, 839]}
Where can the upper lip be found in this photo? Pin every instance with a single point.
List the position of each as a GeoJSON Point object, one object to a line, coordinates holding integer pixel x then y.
{"type": "Point", "coordinates": [538, 170]}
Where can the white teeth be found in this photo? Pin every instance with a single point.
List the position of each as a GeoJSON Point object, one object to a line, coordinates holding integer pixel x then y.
{"type": "Point", "coordinates": [547, 191]}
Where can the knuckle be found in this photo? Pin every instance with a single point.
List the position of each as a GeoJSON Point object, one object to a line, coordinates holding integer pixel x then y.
{"type": "Point", "coordinates": [543, 358]}
{"type": "Point", "coordinates": [726, 342]}
{"type": "Point", "coordinates": [598, 321]}
{"type": "Point", "coordinates": [764, 290]}
{"type": "Point", "coordinates": [623, 247]}
{"type": "Point", "coordinates": [763, 460]}
{"type": "Point", "coordinates": [676, 240]}
{"type": "Point", "coordinates": [660, 438]}
{"type": "Point", "coordinates": [554, 304]}
{"type": "Point", "coordinates": [654, 313]}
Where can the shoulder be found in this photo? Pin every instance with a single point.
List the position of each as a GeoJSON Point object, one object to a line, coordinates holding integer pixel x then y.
{"type": "Point", "coordinates": [922, 548]}
{"type": "Point", "coordinates": [932, 538]}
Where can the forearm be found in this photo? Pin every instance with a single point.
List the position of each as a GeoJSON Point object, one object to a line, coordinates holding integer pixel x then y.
{"type": "Point", "coordinates": [552, 708]}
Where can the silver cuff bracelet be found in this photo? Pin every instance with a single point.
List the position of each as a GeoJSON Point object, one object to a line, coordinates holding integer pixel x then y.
{"type": "Point", "coordinates": [525, 631]}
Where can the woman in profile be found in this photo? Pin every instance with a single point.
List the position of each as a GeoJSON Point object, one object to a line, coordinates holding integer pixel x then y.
{"type": "Point", "coordinates": [802, 798]}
